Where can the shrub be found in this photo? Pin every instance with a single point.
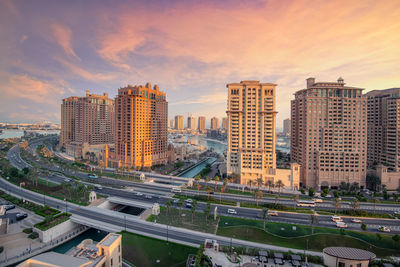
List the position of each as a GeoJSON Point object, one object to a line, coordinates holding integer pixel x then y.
{"type": "Point", "coordinates": [302, 191]}
{"type": "Point", "coordinates": [311, 192]}
{"type": "Point", "coordinates": [33, 235]}
{"type": "Point", "coordinates": [364, 227]}
{"type": "Point", "coordinates": [27, 230]}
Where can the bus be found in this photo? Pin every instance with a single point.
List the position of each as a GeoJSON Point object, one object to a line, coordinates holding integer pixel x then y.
{"type": "Point", "coordinates": [306, 203]}
{"type": "Point", "coordinates": [92, 175]}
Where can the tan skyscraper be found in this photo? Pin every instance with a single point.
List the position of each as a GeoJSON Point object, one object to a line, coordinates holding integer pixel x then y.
{"type": "Point", "coordinates": [179, 122]}
{"type": "Point", "coordinates": [86, 120]}
{"type": "Point", "coordinates": [328, 133]}
{"type": "Point", "coordinates": [384, 128]}
{"type": "Point", "coordinates": [214, 123]}
{"type": "Point", "coordinates": [202, 124]}
{"type": "Point", "coordinates": [191, 123]}
{"type": "Point", "coordinates": [286, 126]}
{"type": "Point", "coordinates": [141, 136]}
{"type": "Point", "coordinates": [251, 135]}
{"type": "Point", "coordinates": [224, 124]}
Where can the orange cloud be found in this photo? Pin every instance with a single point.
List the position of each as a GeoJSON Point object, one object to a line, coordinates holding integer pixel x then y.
{"type": "Point", "coordinates": [62, 35]}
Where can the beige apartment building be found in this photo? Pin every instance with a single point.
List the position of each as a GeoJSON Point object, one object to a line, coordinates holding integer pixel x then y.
{"type": "Point", "coordinates": [214, 123]}
{"type": "Point", "coordinates": [286, 126]}
{"type": "Point", "coordinates": [141, 118]}
{"type": "Point", "coordinates": [328, 134]}
{"type": "Point", "coordinates": [191, 123]}
{"type": "Point", "coordinates": [86, 121]}
{"type": "Point", "coordinates": [224, 124]}
{"type": "Point", "coordinates": [179, 123]}
{"type": "Point", "coordinates": [251, 134]}
{"type": "Point", "coordinates": [202, 124]}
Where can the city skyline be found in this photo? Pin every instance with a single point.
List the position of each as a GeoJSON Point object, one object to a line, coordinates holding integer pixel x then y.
{"type": "Point", "coordinates": [55, 50]}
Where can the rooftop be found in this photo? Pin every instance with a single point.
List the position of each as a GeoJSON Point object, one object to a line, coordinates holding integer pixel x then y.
{"type": "Point", "coordinates": [349, 253]}
{"type": "Point", "coordinates": [109, 239]}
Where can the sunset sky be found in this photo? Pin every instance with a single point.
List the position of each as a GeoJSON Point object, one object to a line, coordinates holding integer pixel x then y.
{"type": "Point", "coordinates": [50, 50]}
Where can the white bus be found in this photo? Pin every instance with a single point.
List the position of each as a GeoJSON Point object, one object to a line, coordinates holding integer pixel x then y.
{"type": "Point", "coordinates": [306, 203]}
{"type": "Point", "coordinates": [176, 190]}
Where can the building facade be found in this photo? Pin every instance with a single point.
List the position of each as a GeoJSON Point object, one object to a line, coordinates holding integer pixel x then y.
{"type": "Point", "coordinates": [286, 126]}
{"type": "Point", "coordinates": [251, 134]}
{"type": "Point", "coordinates": [191, 123]}
{"type": "Point", "coordinates": [141, 118]}
{"type": "Point", "coordinates": [328, 134]}
{"type": "Point", "coordinates": [224, 124]}
{"type": "Point", "coordinates": [383, 112]}
{"type": "Point", "coordinates": [179, 125]}
{"type": "Point", "coordinates": [86, 120]}
{"type": "Point", "coordinates": [214, 123]}
{"type": "Point", "coordinates": [171, 123]}
{"type": "Point", "coordinates": [202, 124]}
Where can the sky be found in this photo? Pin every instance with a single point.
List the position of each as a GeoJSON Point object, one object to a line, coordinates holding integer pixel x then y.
{"type": "Point", "coordinates": [50, 50]}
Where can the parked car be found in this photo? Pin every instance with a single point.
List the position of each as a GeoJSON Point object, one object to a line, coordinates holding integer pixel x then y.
{"type": "Point", "coordinates": [272, 213]}
{"type": "Point", "coordinates": [148, 196]}
{"type": "Point", "coordinates": [341, 225]}
{"type": "Point", "coordinates": [9, 207]}
{"type": "Point", "coordinates": [318, 200]}
{"type": "Point", "coordinates": [189, 200]}
{"type": "Point", "coordinates": [355, 220]}
{"type": "Point", "coordinates": [232, 211]}
{"type": "Point", "coordinates": [21, 216]}
{"type": "Point", "coordinates": [336, 218]}
{"type": "Point", "coordinates": [384, 229]}
{"type": "Point", "coordinates": [188, 205]}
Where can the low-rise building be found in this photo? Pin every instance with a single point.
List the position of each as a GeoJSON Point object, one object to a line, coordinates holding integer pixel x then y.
{"type": "Point", "coordinates": [346, 257]}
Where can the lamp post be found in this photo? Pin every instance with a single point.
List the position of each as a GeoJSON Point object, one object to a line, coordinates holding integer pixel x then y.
{"type": "Point", "coordinates": [125, 222]}
{"type": "Point", "coordinates": [66, 209]}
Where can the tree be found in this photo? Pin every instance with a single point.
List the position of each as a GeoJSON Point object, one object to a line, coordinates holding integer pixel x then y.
{"type": "Point", "coordinates": [396, 238]}
{"type": "Point", "coordinates": [276, 199]}
{"type": "Point", "coordinates": [295, 199]}
{"type": "Point", "coordinates": [259, 182]}
{"type": "Point", "coordinates": [311, 192]}
{"type": "Point", "coordinates": [373, 182]}
{"type": "Point", "coordinates": [270, 184]}
{"type": "Point", "coordinates": [197, 179]}
{"type": "Point", "coordinates": [280, 185]}
{"type": "Point", "coordinates": [376, 200]}
{"type": "Point", "coordinates": [337, 204]}
{"type": "Point", "coordinates": [209, 189]}
{"type": "Point", "coordinates": [355, 205]}
{"type": "Point", "coordinates": [101, 166]}
{"type": "Point", "coordinates": [216, 179]}
{"type": "Point", "coordinates": [355, 187]}
{"type": "Point", "coordinates": [364, 227]}
{"type": "Point", "coordinates": [46, 173]}
{"type": "Point", "coordinates": [223, 187]}
{"type": "Point", "coordinates": [314, 220]}
{"type": "Point", "coordinates": [207, 179]}
{"type": "Point", "coordinates": [250, 183]}
{"type": "Point", "coordinates": [257, 194]}
{"type": "Point", "coordinates": [25, 170]}
{"type": "Point", "coordinates": [193, 210]}
{"type": "Point", "coordinates": [264, 215]}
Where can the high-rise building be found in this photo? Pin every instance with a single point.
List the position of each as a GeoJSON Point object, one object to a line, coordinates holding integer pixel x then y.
{"type": "Point", "coordinates": [328, 134]}
{"type": "Point", "coordinates": [86, 120]}
{"type": "Point", "coordinates": [202, 124]}
{"type": "Point", "coordinates": [286, 126]}
{"type": "Point", "coordinates": [251, 136]}
{"type": "Point", "coordinates": [171, 123]}
{"type": "Point", "coordinates": [224, 124]}
{"type": "Point", "coordinates": [141, 117]}
{"type": "Point", "coordinates": [191, 123]}
{"type": "Point", "coordinates": [214, 123]}
{"type": "Point", "coordinates": [179, 122]}
{"type": "Point", "coordinates": [384, 128]}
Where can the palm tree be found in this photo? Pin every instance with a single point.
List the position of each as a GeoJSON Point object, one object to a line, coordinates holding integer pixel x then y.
{"type": "Point", "coordinates": [336, 204]}
{"type": "Point", "coordinates": [193, 209]}
{"type": "Point", "coordinates": [355, 205]}
{"type": "Point", "coordinates": [270, 184]}
{"type": "Point", "coordinates": [314, 220]}
{"type": "Point", "coordinates": [180, 204]}
{"type": "Point", "coordinates": [197, 179]}
{"type": "Point", "coordinates": [101, 166]}
{"type": "Point", "coordinates": [276, 199]}
{"type": "Point", "coordinates": [207, 180]}
{"type": "Point", "coordinates": [250, 183]}
{"type": "Point", "coordinates": [280, 185]}
{"type": "Point", "coordinates": [264, 215]}
{"type": "Point", "coordinates": [216, 179]}
{"type": "Point", "coordinates": [376, 200]}
{"type": "Point", "coordinates": [168, 204]}
{"type": "Point", "coordinates": [295, 199]}
{"type": "Point", "coordinates": [257, 194]}
{"type": "Point", "coordinates": [259, 182]}
{"type": "Point", "coordinates": [209, 189]}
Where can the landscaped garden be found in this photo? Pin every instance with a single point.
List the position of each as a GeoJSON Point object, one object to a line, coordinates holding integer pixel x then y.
{"type": "Point", "coordinates": [51, 221]}
{"type": "Point", "coordinates": [145, 251]}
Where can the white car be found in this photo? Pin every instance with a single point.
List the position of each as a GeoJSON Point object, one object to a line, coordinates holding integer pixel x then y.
{"type": "Point", "coordinates": [189, 200]}
{"type": "Point", "coordinates": [139, 194]}
{"type": "Point", "coordinates": [355, 220]}
{"type": "Point", "coordinates": [336, 219]}
{"type": "Point", "coordinates": [272, 213]}
{"type": "Point", "coordinates": [318, 200]}
{"type": "Point", "coordinates": [341, 225]}
{"type": "Point", "coordinates": [232, 211]}
{"type": "Point", "coordinates": [384, 229]}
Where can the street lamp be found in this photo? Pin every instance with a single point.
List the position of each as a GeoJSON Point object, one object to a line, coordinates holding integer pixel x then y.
{"type": "Point", "coordinates": [65, 205]}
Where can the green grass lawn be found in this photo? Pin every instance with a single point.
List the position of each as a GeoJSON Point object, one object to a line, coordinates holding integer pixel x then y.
{"type": "Point", "coordinates": [145, 251]}
{"type": "Point", "coordinates": [281, 234]}
{"type": "Point", "coordinates": [174, 217]}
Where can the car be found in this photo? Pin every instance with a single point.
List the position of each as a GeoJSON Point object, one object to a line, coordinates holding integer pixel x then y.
{"type": "Point", "coordinates": [139, 194]}
{"type": "Point", "coordinates": [9, 207]}
{"type": "Point", "coordinates": [355, 220]}
{"type": "Point", "coordinates": [272, 213]}
{"type": "Point", "coordinates": [21, 216]}
{"type": "Point", "coordinates": [188, 205]}
{"type": "Point", "coordinates": [148, 196]}
{"type": "Point", "coordinates": [341, 225]}
{"type": "Point", "coordinates": [397, 212]}
{"type": "Point", "coordinates": [175, 201]}
{"type": "Point", "coordinates": [384, 229]}
{"type": "Point", "coordinates": [232, 211]}
{"type": "Point", "coordinates": [318, 200]}
{"type": "Point", "coordinates": [211, 192]}
{"type": "Point", "coordinates": [189, 200]}
{"type": "Point", "coordinates": [336, 219]}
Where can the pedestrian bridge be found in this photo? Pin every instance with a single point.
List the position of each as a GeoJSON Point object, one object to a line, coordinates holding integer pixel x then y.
{"type": "Point", "coordinates": [130, 202]}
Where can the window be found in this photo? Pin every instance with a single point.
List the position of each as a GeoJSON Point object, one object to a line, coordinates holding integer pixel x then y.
{"type": "Point", "coordinates": [341, 264]}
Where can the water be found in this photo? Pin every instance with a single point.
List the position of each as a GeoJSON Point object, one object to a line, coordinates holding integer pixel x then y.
{"type": "Point", "coordinates": [196, 170]}
{"type": "Point", "coordinates": [132, 210]}
{"type": "Point", "coordinates": [92, 233]}
{"type": "Point", "coordinates": [17, 133]}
